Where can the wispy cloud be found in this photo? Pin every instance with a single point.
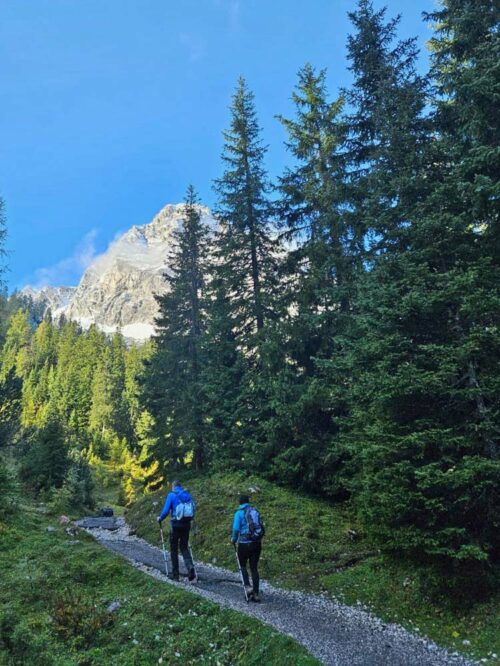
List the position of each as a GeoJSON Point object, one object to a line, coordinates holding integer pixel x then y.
{"type": "Point", "coordinates": [234, 14]}
{"type": "Point", "coordinates": [68, 271]}
{"type": "Point", "coordinates": [233, 8]}
{"type": "Point", "coordinates": [193, 44]}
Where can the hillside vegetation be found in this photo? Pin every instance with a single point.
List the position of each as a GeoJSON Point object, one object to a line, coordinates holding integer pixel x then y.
{"type": "Point", "coordinates": [315, 546]}
{"type": "Point", "coordinates": [55, 590]}
{"type": "Point", "coordinates": [337, 333]}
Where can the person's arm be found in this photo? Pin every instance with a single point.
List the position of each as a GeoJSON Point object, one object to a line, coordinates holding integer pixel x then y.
{"type": "Point", "coordinates": [166, 508]}
{"type": "Point", "coordinates": [236, 527]}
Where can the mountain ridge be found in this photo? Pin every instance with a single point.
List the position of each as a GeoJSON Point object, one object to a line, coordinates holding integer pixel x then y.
{"type": "Point", "coordinates": [116, 291]}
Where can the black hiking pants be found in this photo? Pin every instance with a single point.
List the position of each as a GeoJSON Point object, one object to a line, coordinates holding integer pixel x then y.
{"type": "Point", "coordinates": [179, 536]}
{"type": "Point", "coordinates": [250, 552]}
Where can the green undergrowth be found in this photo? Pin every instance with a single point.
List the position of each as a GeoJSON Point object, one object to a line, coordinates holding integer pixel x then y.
{"type": "Point", "coordinates": [315, 546]}
{"type": "Point", "coordinates": [107, 495]}
{"type": "Point", "coordinates": [55, 590]}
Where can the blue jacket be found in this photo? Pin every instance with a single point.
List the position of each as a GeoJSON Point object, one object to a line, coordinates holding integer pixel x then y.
{"type": "Point", "coordinates": [240, 526]}
{"type": "Point", "coordinates": [174, 498]}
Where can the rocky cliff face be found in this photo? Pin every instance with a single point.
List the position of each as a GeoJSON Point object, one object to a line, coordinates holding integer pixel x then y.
{"type": "Point", "coordinates": [55, 299]}
{"type": "Point", "coordinates": [117, 290]}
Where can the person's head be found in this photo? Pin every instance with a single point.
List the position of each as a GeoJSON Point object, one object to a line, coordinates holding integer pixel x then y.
{"type": "Point", "coordinates": [176, 484]}
{"type": "Point", "coordinates": [244, 499]}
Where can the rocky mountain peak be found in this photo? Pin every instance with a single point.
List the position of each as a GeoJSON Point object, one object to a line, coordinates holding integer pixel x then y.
{"type": "Point", "coordinates": [117, 290]}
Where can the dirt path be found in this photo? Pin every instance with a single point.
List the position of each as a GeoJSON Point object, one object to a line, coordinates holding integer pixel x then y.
{"type": "Point", "coordinates": [336, 634]}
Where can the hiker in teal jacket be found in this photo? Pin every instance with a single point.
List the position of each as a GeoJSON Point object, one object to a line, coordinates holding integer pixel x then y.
{"type": "Point", "coordinates": [248, 549]}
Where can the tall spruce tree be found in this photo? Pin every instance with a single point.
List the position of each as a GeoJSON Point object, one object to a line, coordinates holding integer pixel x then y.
{"type": "Point", "coordinates": [16, 350]}
{"type": "Point", "coordinates": [388, 132]}
{"type": "Point", "coordinates": [426, 357]}
{"type": "Point", "coordinates": [223, 377]}
{"type": "Point", "coordinates": [10, 406]}
{"type": "Point", "coordinates": [465, 55]}
{"type": "Point", "coordinates": [245, 268]}
{"type": "Point", "coordinates": [318, 281]}
{"type": "Point", "coordinates": [245, 249]}
{"type": "Point", "coordinates": [174, 392]}
{"type": "Point", "coordinates": [46, 461]}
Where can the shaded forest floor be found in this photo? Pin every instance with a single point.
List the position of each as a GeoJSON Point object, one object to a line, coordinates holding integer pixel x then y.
{"type": "Point", "coordinates": [56, 596]}
{"type": "Point", "coordinates": [314, 546]}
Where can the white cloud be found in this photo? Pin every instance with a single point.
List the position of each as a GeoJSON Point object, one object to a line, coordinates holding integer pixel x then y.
{"type": "Point", "coordinates": [68, 271]}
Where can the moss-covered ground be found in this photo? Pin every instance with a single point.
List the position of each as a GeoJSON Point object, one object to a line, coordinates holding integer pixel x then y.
{"type": "Point", "coordinates": [315, 546]}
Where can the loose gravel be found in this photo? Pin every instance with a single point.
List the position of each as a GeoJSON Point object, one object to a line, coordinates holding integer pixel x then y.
{"type": "Point", "coordinates": [336, 634]}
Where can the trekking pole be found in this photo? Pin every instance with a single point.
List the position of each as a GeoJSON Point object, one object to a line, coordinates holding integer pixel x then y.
{"type": "Point", "coordinates": [164, 551]}
{"type": "Point", "coordinates": [195, 579]}
{"type": "Point", "coordinates": [194, 532]}
{"type": "Point", "coordinates": [241, 573]}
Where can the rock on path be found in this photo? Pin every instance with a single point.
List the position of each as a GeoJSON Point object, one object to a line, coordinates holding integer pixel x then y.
{"type": "Point", "coordinates": [336, 634]}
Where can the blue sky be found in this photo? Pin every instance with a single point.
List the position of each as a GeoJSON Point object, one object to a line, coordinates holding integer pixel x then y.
{"type": "Point", "coordinates": [109, 108]}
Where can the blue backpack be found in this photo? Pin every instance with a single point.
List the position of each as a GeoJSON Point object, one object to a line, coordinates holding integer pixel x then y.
{"type": "Point", "coordinates": [256, 529]}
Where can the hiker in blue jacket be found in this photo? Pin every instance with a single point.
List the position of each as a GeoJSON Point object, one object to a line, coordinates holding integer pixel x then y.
{"type": "Point", "coordinates": [178, 503]}
{"type": "Point", "coordinates": [248, 537]}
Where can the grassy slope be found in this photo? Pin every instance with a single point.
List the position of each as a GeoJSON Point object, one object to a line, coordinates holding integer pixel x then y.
{"type": "Point", "coordinates": [53, 600]}
{"type": "Point", "coordinates": [311, 545]}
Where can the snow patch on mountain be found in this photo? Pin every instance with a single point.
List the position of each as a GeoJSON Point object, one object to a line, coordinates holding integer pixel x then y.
{"type": "Point", "coordinates": [55, 299]}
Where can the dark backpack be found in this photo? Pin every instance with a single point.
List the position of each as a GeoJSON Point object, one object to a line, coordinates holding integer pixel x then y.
{"type": "Point", "coordinates": [256, 528]}
{"type": "Point", "coordinates": [106, 512]}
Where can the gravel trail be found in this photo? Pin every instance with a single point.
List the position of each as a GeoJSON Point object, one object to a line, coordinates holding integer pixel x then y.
{"type": "Point", "coordinates": [336, 634]}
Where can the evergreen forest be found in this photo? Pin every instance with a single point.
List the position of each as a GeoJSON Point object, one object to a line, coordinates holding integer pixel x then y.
{"type": "Point", "coordinates": [336, 333]}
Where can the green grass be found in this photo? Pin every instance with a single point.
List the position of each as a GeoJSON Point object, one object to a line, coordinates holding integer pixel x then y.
{"type": "Point", "coordinates": [107, 496]}
{"type": "Point", "coordinates": [54, 596]}
{"type": "Point", "coordinates": [314, 546]}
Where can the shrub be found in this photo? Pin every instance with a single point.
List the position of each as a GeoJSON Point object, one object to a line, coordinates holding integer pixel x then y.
{"type": "Point", "coordinates": [8, 488]}
{"type": "Point", "coordinates": [46, 462]}
{"type": "Point", "coordinates": [76, 616]}
{"type": "Point", "coordinates": [77, 489]}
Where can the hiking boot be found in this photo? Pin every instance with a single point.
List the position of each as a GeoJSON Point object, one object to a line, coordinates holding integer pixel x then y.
{"type": "Point", "coordinates": [255, 597]}
{"type": "Point", "coordinates": [191, 575]}
{"type": "Point", "coordinates": [249, 591]}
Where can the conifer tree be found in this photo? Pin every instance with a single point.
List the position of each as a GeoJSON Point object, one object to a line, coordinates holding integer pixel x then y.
{"type": "Point", "coordinates": [465, 54]}
{"type": "Point", "coordinates": [16, 350]}
{"type": "Point", "coordinates": [426, 356]}
{"type": "Point", "coordinates": [10, 406]}
{"type": "Point", "coordinates": [245, 249]}
{"type": "Point", "coordinates": [174, 392]}
{"type": "Point", "coordinates": [244, 266]}
{"type": "Point", "coordinates": [47, 461]}
{"type": "Point", "coordinates": [223, 379]}
{"type": "Point", "coordinates": [388, 133]}
{"type": "Point", "coordinates": [319, 273]}
{"type": "Point", "coordinates": [72, 390]}
{"type": "Point", "coordinates": [120, 418]}
{"type": "Point", "coordinates": [101, 410]}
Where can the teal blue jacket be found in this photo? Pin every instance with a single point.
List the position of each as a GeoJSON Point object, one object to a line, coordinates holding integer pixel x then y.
{"type": "Point", "coordinates": [240, 526]}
